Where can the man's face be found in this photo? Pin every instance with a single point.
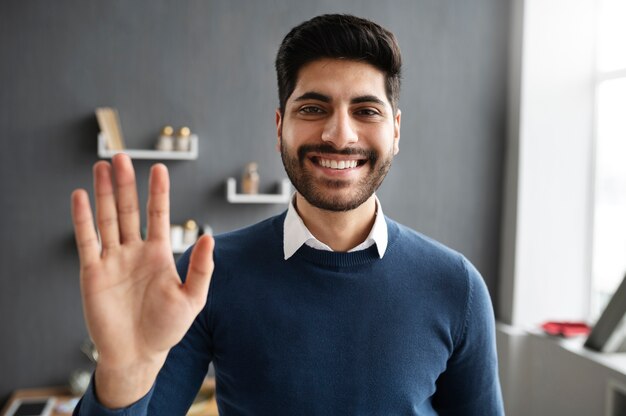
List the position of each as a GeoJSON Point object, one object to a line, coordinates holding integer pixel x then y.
{"type": "Point", "coordinates": [338, 134]}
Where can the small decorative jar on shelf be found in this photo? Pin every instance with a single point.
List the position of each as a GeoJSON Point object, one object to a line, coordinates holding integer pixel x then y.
{"type": "Point", "coordinates": [183, 236]}
{"type": "Point", "coordinates": [166, 139]}
{"type": "Point", "coordinates": [183, 141]}
{"type": "Point", "coordinates": [190, 232]}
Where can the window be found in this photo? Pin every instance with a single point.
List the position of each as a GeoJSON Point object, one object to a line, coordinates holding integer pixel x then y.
{"type": "Point", "coordinates": [609, 222]}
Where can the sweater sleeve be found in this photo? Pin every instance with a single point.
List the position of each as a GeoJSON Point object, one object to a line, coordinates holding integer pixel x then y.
{"type": "Point", "coordinates": [470, 384]}
{"type": "Point", "coordinates": [89, 405]}
{"type": "Point", "coordinates": [178, 381]}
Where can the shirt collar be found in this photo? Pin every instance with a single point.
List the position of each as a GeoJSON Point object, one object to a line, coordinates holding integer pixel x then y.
{"type": "Point", "coordinates": [296, 233]}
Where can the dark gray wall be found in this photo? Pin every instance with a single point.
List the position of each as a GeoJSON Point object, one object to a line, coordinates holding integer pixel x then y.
{"type": "Point", "coordinates": [209, 65]}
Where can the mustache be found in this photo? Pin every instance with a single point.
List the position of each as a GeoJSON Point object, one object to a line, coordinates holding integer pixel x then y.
{"type": "Point", "coordinates": [368, 154]}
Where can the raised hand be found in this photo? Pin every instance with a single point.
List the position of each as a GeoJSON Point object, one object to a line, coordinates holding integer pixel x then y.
{"type": "Point", "coordinates": [135, 305]}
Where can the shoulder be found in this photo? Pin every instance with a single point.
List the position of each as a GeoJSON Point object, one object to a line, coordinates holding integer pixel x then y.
{"type": "Point", "coordinates": [414, 246]}
{"type": "Point", "coordinates": [448, 273]}
{"type": "Point", "coordinates": [440, 265]}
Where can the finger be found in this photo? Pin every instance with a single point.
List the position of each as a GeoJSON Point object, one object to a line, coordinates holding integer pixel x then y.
{"type": "Point", "coordinates": [84, 230]}
{"type": "Point", "coordinates": [106, 211]}
{"type": "Point", "coordinates": [127, 200]}
{"type": "Point", "coordinates": [200, 271]}
{"type": "Point", "coordinates": [159, 204]}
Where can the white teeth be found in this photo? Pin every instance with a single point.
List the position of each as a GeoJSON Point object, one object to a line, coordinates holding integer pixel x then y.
{"type": "Point", "coordinates": [342, 164]}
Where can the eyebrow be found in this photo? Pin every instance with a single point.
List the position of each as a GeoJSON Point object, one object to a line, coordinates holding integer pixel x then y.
{"type": "Point", "coordinates": [312, 95]}
{"type": "Point", "coordinates": [367, 99]}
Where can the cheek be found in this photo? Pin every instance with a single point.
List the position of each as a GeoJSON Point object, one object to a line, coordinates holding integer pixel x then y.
{"type": "Point", "coordinates": [285, 146]}
{"type": "Point", "coordinates": [381, 139]}
{"type": "Point", "coordinates": [294, 130]}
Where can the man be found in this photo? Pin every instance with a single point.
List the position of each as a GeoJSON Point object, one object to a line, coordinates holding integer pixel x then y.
{"type": "Point", "coordinates": [328, 308]}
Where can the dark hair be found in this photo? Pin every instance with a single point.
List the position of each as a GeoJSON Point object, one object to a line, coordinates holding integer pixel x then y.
{"type": "Point", "coordinates": [338, 36]}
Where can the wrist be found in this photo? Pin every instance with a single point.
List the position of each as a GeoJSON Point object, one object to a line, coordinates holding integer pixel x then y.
{"type": "Point", "coordinates": [121, 386]}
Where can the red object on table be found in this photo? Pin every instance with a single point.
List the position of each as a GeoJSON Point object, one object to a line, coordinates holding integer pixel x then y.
{"type": "Point", "coordinates": [566, 328]}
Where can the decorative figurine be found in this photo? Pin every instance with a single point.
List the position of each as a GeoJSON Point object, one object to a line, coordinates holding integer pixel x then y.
{"type": "Point", "coordinates": [250, 179]}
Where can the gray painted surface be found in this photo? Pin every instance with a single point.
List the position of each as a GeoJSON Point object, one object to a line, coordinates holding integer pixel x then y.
{"type": "Point", "coordinates": [209, 65]}
{"type": "Point", "coordinates": [544, 375]}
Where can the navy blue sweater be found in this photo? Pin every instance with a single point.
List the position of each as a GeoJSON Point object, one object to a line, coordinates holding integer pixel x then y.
{"type": "Point", "coordinates": [326, 333]}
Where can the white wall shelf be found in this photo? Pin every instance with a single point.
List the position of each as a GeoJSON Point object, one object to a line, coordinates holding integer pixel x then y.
{"type": "Point", "coordinates": [191, 154]}
{"type": "Point", "coordinates": [179, 249]}
{"type": "Point", "coordinates": [281, 198]}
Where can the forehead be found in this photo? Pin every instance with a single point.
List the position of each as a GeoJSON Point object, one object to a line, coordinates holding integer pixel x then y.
{"type": "Point", "coordinates": [340, 79]}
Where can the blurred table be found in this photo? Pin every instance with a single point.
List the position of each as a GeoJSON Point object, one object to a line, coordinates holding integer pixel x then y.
{"type": "Point", "coordinates": [203, 405]}
{"type": "Point", "coordinates": [61, 395]}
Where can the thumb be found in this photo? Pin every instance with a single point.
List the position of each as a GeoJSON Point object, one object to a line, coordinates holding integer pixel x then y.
{"type": "Point", "coordinates": [200, 271]}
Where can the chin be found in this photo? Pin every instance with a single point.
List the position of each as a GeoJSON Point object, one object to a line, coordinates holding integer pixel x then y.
{"type": "Point", "coordinates": [341, 202]}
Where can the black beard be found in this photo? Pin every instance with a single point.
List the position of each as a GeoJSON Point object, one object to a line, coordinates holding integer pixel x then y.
{"type": "Point", "coordinates": [305, 184]}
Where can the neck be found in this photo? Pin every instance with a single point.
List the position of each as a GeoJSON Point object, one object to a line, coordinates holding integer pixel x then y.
{"type": "Point", "coordinates": [341, 231]}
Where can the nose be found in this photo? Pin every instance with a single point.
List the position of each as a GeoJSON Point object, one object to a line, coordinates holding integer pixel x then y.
{"type": "Point", "coordinates": [339, 130]}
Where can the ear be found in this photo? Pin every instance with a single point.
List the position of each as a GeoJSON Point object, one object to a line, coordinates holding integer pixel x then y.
{"type": "Point", "coordinates": [279, 129]}
{"type": "Point", "coordinates": [396, 132]}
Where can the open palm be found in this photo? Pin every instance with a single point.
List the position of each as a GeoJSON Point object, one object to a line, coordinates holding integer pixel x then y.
{"type": "Point", "coordinates": [135, 305]}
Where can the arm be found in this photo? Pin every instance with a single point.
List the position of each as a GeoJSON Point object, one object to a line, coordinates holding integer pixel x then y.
{"type": "Point", "coordinates": [186, 366]}
{"type": "Point", "coordinates": [135, 306]}
{"type": "Point", "coordinates": [470, 384]}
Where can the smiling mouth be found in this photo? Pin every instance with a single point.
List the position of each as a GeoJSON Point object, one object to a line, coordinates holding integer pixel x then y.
{"type": "Point", "coordinates": [338, 164]}
{"type": "Point", "coordinates": [327, 157]}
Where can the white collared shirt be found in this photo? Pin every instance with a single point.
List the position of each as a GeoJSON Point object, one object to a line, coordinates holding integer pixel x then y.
{"type": "Point", "coordinates": [296, 234]}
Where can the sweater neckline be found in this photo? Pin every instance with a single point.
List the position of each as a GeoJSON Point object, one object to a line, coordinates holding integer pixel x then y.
{"type": "Point", "coordinates": [338, 259]}
{"type": "Point", "coordinates": [334, 258]}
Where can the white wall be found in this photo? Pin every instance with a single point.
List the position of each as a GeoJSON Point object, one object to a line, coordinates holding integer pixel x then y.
{"type": "Point", "coordinates": [546, 221]}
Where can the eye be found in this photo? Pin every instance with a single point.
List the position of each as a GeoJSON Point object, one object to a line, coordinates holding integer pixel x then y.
{"type": "Point", "coordinates": [310, 109]}
{"type": "Point", "coordinates": [368, 112]}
